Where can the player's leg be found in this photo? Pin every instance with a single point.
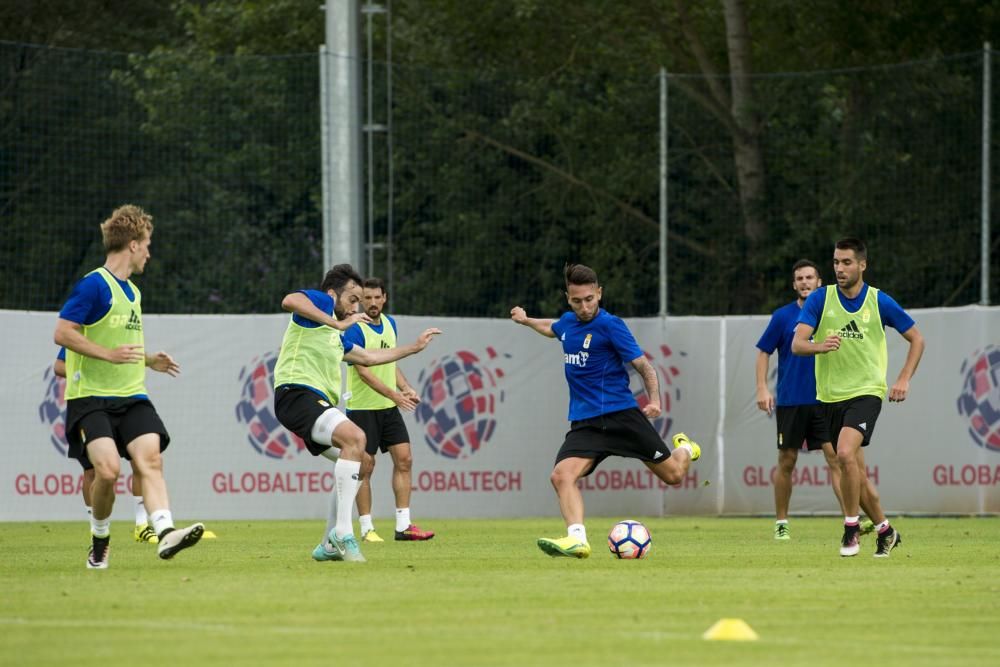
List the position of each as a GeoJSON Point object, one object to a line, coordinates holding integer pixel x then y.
{"type": "Point", "coordinates": [787, 458]}
{"type": "Point", "coordinates": [364, 501]}
{"type": "Point", "coordinates": [834, 466]}
{"type": "Point", "coordinates": [143, 430]}
{"type": "Point", "coordinates": [142, 532]}
{"type": "Point", "coordinates": [103, 454]}
{"type": "Point", "coordinates": [565, 475]}
{"type": "Point", "coordinates": [88, 481]}
{"type": "Point", "coordinates": [402, 484]}
{"type": "Point", "coordinates": [349, 441]}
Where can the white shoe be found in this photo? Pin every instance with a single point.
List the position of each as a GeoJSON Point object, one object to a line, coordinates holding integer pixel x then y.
{"type": "Point", "coordinates": [179, 539]}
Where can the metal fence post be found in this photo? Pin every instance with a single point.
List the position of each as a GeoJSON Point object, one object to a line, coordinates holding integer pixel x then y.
{"type": "Point", "coordinates": [984, 240]}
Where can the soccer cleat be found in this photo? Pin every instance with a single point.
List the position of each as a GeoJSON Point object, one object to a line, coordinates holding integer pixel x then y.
{"type": "Point", "coordinates": [569, 546]}
{"type": "Point", "coordinates": [681, 439]}
{"type": "Point", "coordinates": [850, 543]}
{"type": "Point", "coordinates": [100, 552]}
{"type": "Point", "coordinates": [371, 536]}
{"type": "Point", "coordinates": [413, 534]}
{"type": "Point", "coordinates": [781, 531]}
{"type": "Point", "coordinates": [144, 533]}
{"type": "Point", "coordinates": [348, 547]}
{"type": "Point", "coordinates": [330, 549]}
{"type": "Point", "coordinates": [887, 540]}
{"type": "Point", "coordinates": [867, 526]}
{"type": "Point", "coordinates": [178, 539]}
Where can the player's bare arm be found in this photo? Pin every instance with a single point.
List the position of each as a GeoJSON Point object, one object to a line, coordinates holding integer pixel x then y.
{"type": "Point", "coordinates": [300, 304]}
{"type": "Point", "coordinates": [405, 387]}
{"type": "Point", "coordinates": [901, 389]}
{"type": "Point", "coordinates": [543, 327]}
{"type": "Point", "coordinates": [765, 400]}
{"type": "Point", "coordinates": [646, 371]}
{"type": "Point", "coordinates": [70, 335]}
{"type": "Point", "coordinates": [802, 346]}
{"type": "Point", "coordinates": [362, 357]}
{"type": "Point", "coordinates": [402, 400]}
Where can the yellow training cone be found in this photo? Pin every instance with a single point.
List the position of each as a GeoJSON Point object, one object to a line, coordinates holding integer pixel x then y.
{"type": "Point", "coordinates": [208, 535]}
{"type": "Point", "coordinates": [730, 629]}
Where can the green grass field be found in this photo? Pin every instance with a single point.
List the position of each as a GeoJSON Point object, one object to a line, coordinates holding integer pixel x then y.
{"type": "Point", "coordinates": [482, 594]}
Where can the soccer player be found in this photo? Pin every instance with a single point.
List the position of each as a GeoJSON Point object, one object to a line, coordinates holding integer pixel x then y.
{"type": "Point", "coordinates": [108, 413]}
{"type": "Point", "coordinates": [605, 419]}
{"type": "Point", "coordinates": [799, 415]}
{"type": "Point", "coordinates": [142, 533]}
{"type": "Point", "coordinates": [376, 395]}
{"type": "Point", "coordinates": [307, 389]}
{"type": "Point", "coordinates": [851, 367]}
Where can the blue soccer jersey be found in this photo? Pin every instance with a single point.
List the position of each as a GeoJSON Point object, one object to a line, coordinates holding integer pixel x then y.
{"type": "Point", "coordinates": [892, 313]}
{"type": "Point", "coordinates": [90, 299]}
{"type": "Point", "coordinates": [595, 354]}
{"type": "Point", "coordinates": [796, 375]}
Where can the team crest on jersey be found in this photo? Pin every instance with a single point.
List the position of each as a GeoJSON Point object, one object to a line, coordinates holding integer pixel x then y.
{"type": "Point", "coordinates": [865, 315]}
{"type": "Point", "coordinates": [586, 341]}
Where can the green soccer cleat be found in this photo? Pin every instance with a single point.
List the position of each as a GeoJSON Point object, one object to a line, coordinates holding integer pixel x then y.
{"type": "Point", "coordinates": [569, 546]}
{"type": "Point", "coordinates": [781, 532]}
{"type": "Point", "coordinates": [867, 526]}
{"type": "Point", "coordinates": [144, 533]}
{"type": "Point", "coordinates": [371, 536]}
{"type": "Point", "coordinates": [681, 439]}
{"type": "Point", "coordinates": [348, 547]}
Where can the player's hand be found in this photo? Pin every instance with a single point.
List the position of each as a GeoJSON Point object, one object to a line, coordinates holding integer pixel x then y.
{"type": "Point", "coordinates": [127, 354]}
{"type": "Point", "coordinates": [164, 363]}
{"type": "Point", "coordinates": [829, 344]}
{"type": "Point", "coordinates": [351, 320]}
{"type": "Point", "coordinates": [412, 394]}
{"type": "Point", "coordinates": [424, 339]}
{"type": "Point", "coordinates": [651, 410]}
{"type": "Point", "coordinates": [765, 401]}
{"type": "Point", "coordinates": [899, 391]}
{"type": "Point", "coordinates": [518, 315]}
{"type": "Point", "coordinates": [404, 401]}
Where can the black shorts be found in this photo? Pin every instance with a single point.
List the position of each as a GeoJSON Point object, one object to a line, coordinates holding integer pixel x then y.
{"type": "Point", "coordinates": [625, 433]}
{"type": "Point", "coordinates": [298, 408]}
{"type": "Point", "coordinates": [802, 423]}
{"type": "Point", "coordinates": [383, 428]}
{"type": "Point", "coordinates": [859, 413]}
{"type": "Point", "coordinates": [85, 462]}
{"type": "Point", "coordinates": [121, 419]}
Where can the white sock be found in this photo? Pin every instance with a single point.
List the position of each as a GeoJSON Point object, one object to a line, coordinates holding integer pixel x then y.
{"type": "Point", "coordinates": [162, 520]}
{"type": "Point", "coordinates": [141, 518]}
{"type": "Point", "coordinates": [780, 521]}
{"type": "Point", "coordinates": [688, 448]}
{"type": "Point", "coordinates": [578, 530]}
{"type": "Point", "coordinates": [100, 527]}
{"type": "Point", "coordinates": [366, 523]}
{"type": "Point", "coordinates": [402, 518]}
{"type": "Point", "coordinates": [851, 520]}
{"type": "Point", "coordinates": [882, 526]}
{"type": "Point", "coordinates": [348, 477]}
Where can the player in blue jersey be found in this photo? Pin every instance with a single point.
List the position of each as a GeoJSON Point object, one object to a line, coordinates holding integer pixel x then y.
{"type": "Point", "coordinates": [142, 533]}
{"type": "Point", "coordinates": [108, 414]}
{"type": "Point", "coordinates": [851, 366]}
{"type": "Point", "coordinates": [605, 419]}
{"type": "Point", "coordinates": [800, 417]}
{"type": "Point", "coordinates": [307, 387]}
{"type": "Point", "coordinates": [377, 395]}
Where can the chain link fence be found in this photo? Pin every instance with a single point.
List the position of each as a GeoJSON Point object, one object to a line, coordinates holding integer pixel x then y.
{"type": "Point", "coordinates": [492, 181]}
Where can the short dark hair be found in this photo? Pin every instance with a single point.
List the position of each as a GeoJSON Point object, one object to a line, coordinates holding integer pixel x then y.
{"type": "Point", "coordinates": [857, 245]}
{"type": "Point", "coordinates": [375, 283]}
{"type": "Point", "coordinates": [339, 276]}
{"type": "Point", "coordinates": [803, 263]}
{"type": "Point", "coordinates": [578, 274]}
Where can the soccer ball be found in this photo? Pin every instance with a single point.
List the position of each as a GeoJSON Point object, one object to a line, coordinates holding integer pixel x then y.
{"type": "Point", "coordinates": [629, 540]}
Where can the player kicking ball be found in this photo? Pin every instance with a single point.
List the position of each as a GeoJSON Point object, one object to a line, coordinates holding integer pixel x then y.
{"type": "Point", "coordinates": [605, 419]}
